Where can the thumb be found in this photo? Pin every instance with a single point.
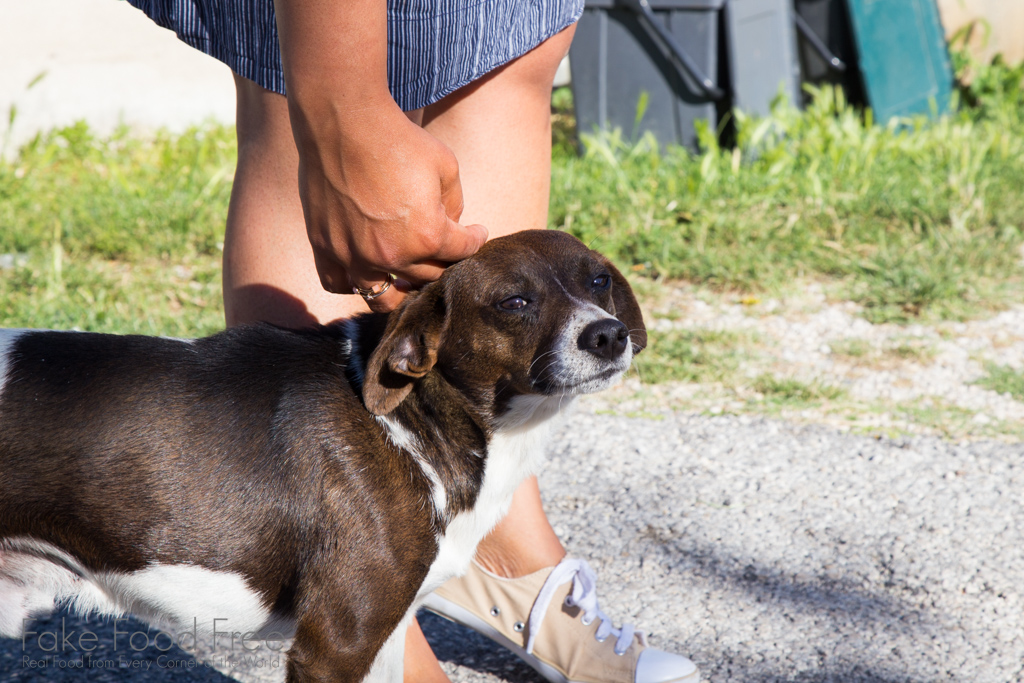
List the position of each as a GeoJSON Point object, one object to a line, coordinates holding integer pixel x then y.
{"type": "Point", "coordinates": [460, 241]}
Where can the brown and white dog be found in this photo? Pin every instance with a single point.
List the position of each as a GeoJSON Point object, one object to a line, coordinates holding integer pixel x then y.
{"type": "Point", "coordinates": [322, 480]}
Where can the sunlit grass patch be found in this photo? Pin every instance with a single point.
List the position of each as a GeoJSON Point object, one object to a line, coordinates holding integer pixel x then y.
{"type": "Point", "coordinates": [121, 197]}
{"type": "Point", "coordinates": [180, 298]}
{"type": "Point", "coordinates": [1004, 380]}
{"type": "Point", "coordinates": [790, 390]}
{"type": "Point", "coordinates": [862, 352]}
{"type": "Point", "coordinates": [697, 355]}
{"type": "Point", "coordinates": [853, 347]}
{"type": "Point", "coordinates": [918, 220]}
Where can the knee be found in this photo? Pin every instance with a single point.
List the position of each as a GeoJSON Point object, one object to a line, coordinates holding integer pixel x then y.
{"type": "Point", "coordinates": [538, 66]}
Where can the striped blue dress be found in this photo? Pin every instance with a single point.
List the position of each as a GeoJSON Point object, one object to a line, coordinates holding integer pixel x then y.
{"type": "Point", "coordinates": [434, 46]}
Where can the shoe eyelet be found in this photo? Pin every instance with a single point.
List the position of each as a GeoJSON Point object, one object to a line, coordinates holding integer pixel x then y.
{"type": "Point", "coordinates": [518, 627]}
{"type": "Point", "coordinates": [495, 611]}
{"type": "Point", "coordinates": [587, 622]}
{"type": "Point", "coordinates": [568, 601]}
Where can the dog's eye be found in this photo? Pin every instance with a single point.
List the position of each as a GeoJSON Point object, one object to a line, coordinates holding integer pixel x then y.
{"type": "Point", "coordinates": [601, 281]}
{"type": "Point", "coordinates": [514, 303]}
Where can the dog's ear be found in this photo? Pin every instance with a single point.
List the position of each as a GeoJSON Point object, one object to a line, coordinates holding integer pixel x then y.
{"type": "Point", "coordinates": [626, 308]}
{"type": "Point", "coordinates": [407, 351]}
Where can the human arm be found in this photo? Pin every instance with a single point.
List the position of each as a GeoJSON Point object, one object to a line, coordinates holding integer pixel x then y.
{"type": "Point", "coordinates": [379, 194]}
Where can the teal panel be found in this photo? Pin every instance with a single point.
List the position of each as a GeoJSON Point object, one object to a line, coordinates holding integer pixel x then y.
{"type": "Point", "coordinates": [903, 57]}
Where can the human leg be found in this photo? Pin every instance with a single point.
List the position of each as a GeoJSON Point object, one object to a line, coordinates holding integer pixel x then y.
{"type": "Point", "coordinates": [500, 130]}
{"type": "Point", "coordinates": [269, 273]}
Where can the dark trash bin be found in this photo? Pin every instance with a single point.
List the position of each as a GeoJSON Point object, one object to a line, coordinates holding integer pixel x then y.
{"type": "Point", "coordinates": [826, 48]}
{"type": "Point", "coordinates": [762, 54]}
{"type": "Point", "coordinates": [668, 49]}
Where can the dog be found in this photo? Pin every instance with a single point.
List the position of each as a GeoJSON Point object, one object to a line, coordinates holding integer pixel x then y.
{"type": "Point", "coordinates": [317, 483]}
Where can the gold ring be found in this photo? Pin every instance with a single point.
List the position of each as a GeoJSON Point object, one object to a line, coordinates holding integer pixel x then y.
{"type": "Point", "coordinates": [371, 293]}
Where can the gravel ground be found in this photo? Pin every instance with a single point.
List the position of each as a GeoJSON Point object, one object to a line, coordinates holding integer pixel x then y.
{"type": "Point", "coordinates": [764, 550]}
{"type": "Point", "coordinates": [917, 378]}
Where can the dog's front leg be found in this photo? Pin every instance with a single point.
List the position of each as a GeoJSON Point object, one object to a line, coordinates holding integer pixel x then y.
{"type": "Point", "coordinates": [333, 650]}
{"type": "Point", "coordinates": [389, 666]}
{"type": "Point", "coordinates": [343, 650]}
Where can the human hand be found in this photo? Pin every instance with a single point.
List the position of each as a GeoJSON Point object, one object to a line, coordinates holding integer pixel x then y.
{"type": "Point", "coordinates": [380, 195]}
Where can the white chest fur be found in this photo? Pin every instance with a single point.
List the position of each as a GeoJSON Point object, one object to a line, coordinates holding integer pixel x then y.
{"type": "Point", "coordinates": [514, 453]}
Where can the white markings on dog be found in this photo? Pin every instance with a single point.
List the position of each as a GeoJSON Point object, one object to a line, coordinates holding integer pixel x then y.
{"type": "Point", "coordinates": [179, 594]}
{"type": "Point", "coordinates": [574, 367]}
{"type": "Point", "coordinates": [36, 577]}
{"type": "Point", "coordinates": [402, 439]}
{"type": "Point", "coordinates": [7, 339]}
{"type": "Point", "coordinates": [513, 453]}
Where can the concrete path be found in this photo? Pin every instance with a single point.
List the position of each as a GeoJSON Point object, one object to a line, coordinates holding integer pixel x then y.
{"type": "Point", "coordinates": [105, 62]}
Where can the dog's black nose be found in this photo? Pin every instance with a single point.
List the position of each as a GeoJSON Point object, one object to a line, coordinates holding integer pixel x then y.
{"type": "Point", "coordinates": [605, 338]}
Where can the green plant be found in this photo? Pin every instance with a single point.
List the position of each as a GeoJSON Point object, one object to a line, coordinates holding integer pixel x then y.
{"type": "Point", "coordinates": [919, 219]}
{"type": "Point", "coordinates": [993, 90]}
{"type": "Point", "coordinates": [117, 234]}
{"type": "Point", "coordinates": [852, 347]}
{"type": "Point", "coordinates": [791, 390]}
{"type": "Point", "coordinates": [690, 356]}
{"type": "Point", "coordinates": [1004, 380]}
{"type": "Point", "coordinates": [119, 197]}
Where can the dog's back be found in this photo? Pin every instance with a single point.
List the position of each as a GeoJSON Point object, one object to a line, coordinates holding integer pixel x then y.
{"type": "Point", "coordinates": [232, 456]}
{"type": "Point", "coordinates": [329, 478]}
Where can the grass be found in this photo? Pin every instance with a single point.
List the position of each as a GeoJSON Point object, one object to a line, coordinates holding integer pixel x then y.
{"type": "Point", "coordinates": [153, 296]}
{"type": "Point", "coordinates": [913, 219]}
{"type": "Point", "coordinates": [1004, 380]}
{"type": "Point", "coordinates": [119, 234]}
{"type": "Point", "coordinates": [854, 348]}
{"type": "Point", "coordinates": [861, 352]}
{"type": "Point", "coordinates": [690, 356]}
{"type": "Point", "coordinates": [789, 390]}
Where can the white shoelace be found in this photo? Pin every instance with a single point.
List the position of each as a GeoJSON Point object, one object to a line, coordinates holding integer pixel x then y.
{"type": "Point", "coordinates": [584, 596]}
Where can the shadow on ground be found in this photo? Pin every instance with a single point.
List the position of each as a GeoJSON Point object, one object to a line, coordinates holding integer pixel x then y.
{"type": "Point", "coordinates": [461, 646]}
{"type": "Point", "coordinates": [67, 648]}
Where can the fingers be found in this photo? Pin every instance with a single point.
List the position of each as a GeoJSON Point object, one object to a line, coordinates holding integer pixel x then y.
{"type": "Point", "coordinates": [336, 279]}
{"type": "Point", "coordinates": [459, 242]}
{"type": "Point", "coordinates": [333, 276]}
{"type": "Point", "coordinates": [356, 242]}
{"type": "Point", "coordinates": [388, 301]}
{"type": "Point", "coordinates": [390, 294]}
{"type": "Point", "coordinates": [419, 274]}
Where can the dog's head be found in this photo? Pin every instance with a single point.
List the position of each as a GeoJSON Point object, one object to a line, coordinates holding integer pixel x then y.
{"type": "Point", "coordinates": [536, 312]}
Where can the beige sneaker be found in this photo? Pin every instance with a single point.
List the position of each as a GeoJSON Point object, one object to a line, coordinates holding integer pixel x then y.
{"type": "Point", "coordinates": [552, 621]}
